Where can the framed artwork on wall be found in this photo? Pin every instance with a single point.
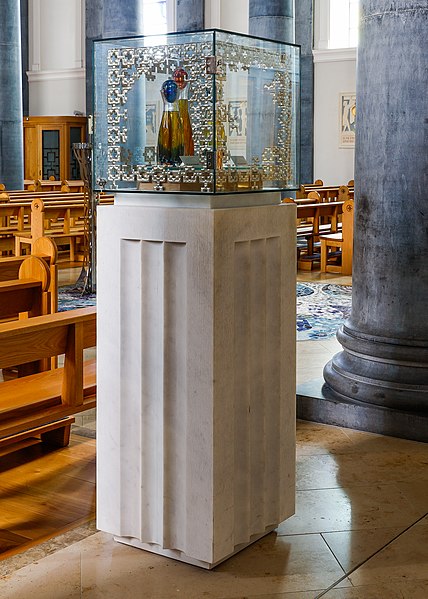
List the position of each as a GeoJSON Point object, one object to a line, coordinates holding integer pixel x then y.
{"type": "Point", "coordinates": [347, 114]}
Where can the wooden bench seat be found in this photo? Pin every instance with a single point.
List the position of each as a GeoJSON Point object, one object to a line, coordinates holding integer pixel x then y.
{"type": "Point", "coordinates": [343, 241]}
{"type": "Point", "coordinates": [325, 219]}
{"type": "Point", "coordinates": [46, 398]}
{"type": "Point", "coordinates": [64, 233]}
{"type": "Point", "coordinates": [43, 248]}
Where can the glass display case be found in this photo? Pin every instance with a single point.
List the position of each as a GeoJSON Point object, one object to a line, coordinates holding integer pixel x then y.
{"type": "Point", "coordinates": [209, 111]}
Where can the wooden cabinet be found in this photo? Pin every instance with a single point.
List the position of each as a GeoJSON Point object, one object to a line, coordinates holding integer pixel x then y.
{"type": "Point", "coordinates": [48, 146]}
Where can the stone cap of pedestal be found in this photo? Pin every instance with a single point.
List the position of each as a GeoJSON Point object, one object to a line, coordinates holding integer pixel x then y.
{"type": "Point", "coordinates": [232, 200]}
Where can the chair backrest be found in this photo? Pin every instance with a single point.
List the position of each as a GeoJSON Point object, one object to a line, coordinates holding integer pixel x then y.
{"type": "Point", "coordinates": [348, 219]}
{"type": "Point", "coordinates": [315, 196]}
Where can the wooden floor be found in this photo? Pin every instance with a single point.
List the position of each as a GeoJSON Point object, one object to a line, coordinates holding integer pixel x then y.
{"type": "Point", "coordinates": [44, 492]}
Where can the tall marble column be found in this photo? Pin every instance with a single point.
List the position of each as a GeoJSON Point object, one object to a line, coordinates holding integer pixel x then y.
{"type": "Point", "coordinates": [384, 362]}
{"type": "Point", "coordinates": [190, 15]}
{"type": "Point", "coordinates": [304, 37]}
{"type": "Point", "coordinates": [109, 18]}
{"type": "Point", "coordinates": [24, 56]}
{"type": "Point", "coordinates": [284, 21]}
{"type": "Point", "coordinates": [11, 130]}
{"type": "Point", "coordinates": [273, 19]}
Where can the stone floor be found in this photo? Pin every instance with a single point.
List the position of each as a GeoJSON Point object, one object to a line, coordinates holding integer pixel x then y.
{"type": "Point", "coordinates": [360, 531]}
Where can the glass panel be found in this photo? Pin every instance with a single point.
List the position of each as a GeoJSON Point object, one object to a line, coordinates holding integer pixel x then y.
{"type": "Point", "coordinates": [50, 151]}
{"type": "Point", "coordinates": [75, 137]}
{"type": "Point", "coordinates": [208, 111]}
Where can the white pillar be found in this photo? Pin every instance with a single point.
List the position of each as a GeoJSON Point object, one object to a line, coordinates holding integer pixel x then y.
{"type": "Point", "coordinates": [196, 376]}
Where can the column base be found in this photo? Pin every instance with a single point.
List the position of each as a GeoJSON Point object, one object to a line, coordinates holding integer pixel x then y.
{"type": "Point", "coordinates": [317, 402]}
{"type": "Point", "coordinates": [187, 559]}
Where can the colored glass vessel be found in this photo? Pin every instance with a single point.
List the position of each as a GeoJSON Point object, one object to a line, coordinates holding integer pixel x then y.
{"type": "Point", "coordinates": [170, 137]}
{"type": "Point", "coordinates": [181, 79]}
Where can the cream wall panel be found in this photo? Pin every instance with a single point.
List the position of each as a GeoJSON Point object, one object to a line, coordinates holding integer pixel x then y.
{"type": "Point", "coordinates": [56, 76]}
{"type": "Point", "coordinates": [334, 72]}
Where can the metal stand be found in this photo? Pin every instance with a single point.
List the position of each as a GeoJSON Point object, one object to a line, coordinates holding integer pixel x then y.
{"type": "Point", "coordinates": [86, 283]}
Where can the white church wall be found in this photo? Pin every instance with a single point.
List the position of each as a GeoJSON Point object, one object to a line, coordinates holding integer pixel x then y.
{"type": "Point", "coordinates": [334, 73]}
{"type": "Point", "coordinates": [224, 14]}
{"type": "Point", "coordinates": [56, 46]}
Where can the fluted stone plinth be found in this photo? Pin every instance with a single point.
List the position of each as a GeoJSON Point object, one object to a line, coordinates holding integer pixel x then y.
{"type": "Point", "coordinates": [384, 363]}
{"type": "Point", "coordinates": [196, 374]}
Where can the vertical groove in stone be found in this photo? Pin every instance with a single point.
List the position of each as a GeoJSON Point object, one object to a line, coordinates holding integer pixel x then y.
{"type": "Point", "coordinates": [257, 380]}
{"type": "Point", "coordinates": [257, 395]}
{"type": "Point", "coordinates": [152, 392]}
{"type": "Point", "coordinates": [272, 379]}
{"type": "Point", "coordinates": [175, 395]}
{"type": "Point", "coordinates": [242, 371]}
{"type": "Point", "coordinates": [130, 386]}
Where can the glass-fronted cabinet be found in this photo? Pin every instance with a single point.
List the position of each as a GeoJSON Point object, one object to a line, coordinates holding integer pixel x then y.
{"type": "Point", "coordinates": [48, 143]}
{"type": "Point", "coordinates": [209, 111]}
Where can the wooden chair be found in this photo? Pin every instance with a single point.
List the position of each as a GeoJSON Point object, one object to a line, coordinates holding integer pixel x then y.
{"type": "Point", "coordinates": [330, 244]}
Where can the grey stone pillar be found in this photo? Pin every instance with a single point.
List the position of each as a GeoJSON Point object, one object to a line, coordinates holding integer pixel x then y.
{"type": "Point", "coordinates": [190, 15]}
{"type": "Point", "coordinates": [24, 57]}
{"type": "Point", "coordinates": [291, 22]}
{"type": "Point", "coordinates": [109, 18]}
{"type": "Point", "coordinates": [272, 19]}
{"type": "Point", "coordinates": [304, 37]}
{"type": "Point", "coordinates": [384, 362]}
{"type": "Point", "coordinates": [11, 129]}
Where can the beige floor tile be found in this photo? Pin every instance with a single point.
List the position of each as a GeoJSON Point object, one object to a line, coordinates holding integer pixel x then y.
{"type": "Point", "coordinates": [319, 439]}
{"type": "Point", "coordinates": [371, 442]}
{"type": "Point", "coordinates": [272, 566]}
{"type": "Point", "coordinates": [56, 576]}
{"type": "Point", "coordinates": [302, 595]}
{"type": "Point", "coordinates": [416, 493]}
{"type": "Point", "coordinates": [355, 508]}
{"type": "Point", "coordinates": [352, 548]}
{"type": "Point", "coordinates": [328, 471]}
{"type": "Point", "coordinates": [404, 560]}
{"type": "Point", "coordinates": [401, 590]}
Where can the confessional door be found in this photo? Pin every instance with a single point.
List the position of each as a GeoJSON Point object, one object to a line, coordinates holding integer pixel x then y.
{"type": "Point", "coordinates": [48, 147]}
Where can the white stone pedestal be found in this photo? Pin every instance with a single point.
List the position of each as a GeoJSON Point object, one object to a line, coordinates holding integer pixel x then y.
{"type": "Point", "coordinates": [196, 376]}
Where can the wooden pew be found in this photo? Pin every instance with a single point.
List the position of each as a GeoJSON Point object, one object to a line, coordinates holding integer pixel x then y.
{"type": "Point", "coordinates": [318, 213]}
{"type": "Point", "coordinates": [48, 185]}
{"type": "Point", "coordinates": [41, 215]}
{"type": "Point", "coordinates": [29, 294]}
{"type": "Point", "coordinates": [44, 248]}
{"type": "Point", "coordinates": [330, 244]}
{"type": "Point", "coordinates": [327, 193]}
{"type": "Point", "coordinates": [72, 186]}
{"type": "Point", "coordinates": [11, 222]}
{"type": "Point", "coordinates": [40, 403]}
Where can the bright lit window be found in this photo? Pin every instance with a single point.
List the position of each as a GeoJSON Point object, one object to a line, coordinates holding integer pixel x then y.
{"type": "Point", "coordinates": [343, 24]}
{"type": "Point", "coordinates": [155, 17]}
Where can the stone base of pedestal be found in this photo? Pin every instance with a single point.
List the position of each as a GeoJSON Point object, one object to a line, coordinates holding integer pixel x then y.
{"type": "Point", "coordinates": [319, 403]}
{"type": "Point", "coordinates": [195, 376]}
{"type": "Point", "coordinates": [187, 559]}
